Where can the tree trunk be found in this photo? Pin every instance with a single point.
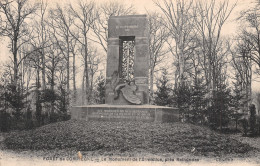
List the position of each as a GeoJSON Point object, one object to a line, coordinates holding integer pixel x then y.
{"type": "Point", "coordinates": [151, 82]}
{"type": "Point", "coordinates": [38, 104]}
{"type": "Point", "coordinates": [74, 80]}
{"type": "Point", "coordinates": [91, 84]}
{"type": "Point", "coordinates": [83, 89]}
{"type": "Point", "coordinates": [86, 67]}
{"type": "Point", "coordinates": [52, 82]}
{"type": "Point", "coordinates": [43, 67]}
{"type": "Point", "coordinates": [43, 45]}
{"type": "Point", "coordinates": [68, 71]}
{"type": "Point", "coordinates": [15, 50]}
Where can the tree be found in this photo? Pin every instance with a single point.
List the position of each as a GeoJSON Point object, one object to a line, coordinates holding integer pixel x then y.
{"type": "Point", "coordinates": [219, 113]}
{"type": "Point", "coordinates": [93, 60]}
{"type": "Point", "coordinates": [62, 103]}
{"type": "Point", "coordinates": [100, 26]}
{"type": "Point", "coordinates": [34, 62]}
{"type": "Point", "coordinates": [158, 36]}
{"type": "Point", "coordinates": [61, 23]}
{"type": "Point", "coordinates": [53, 61]}
{"type": "Point", "coordinates": [14, 26]}
{"type": "Point", "coordinates": [179, 22]}
{"type": "Point", "coordinates": [5, 116]}
{"type": "Point", "coordinates": [163, 95]}
{"type": "Point", "coordinates": [209, 19]}
{"type": "Point", "coordinates": [101, 91]}
{"type": "Point", "coordinates": [84, 17]}
{"type": "Point", "coordinates": [236, 100]}
{"type": "Point", "coordinates": [15, 100]}
{"type": "Point", "coordinates": [42, 40]}
{"type": "Point", "coordinates": [182, 99]}
{"type": "Point", "coordinates": [250, 21]}
{"type": "Point", "coordinates": [198, 101]}
{"type": "Point", "coordinates": [242, 64]}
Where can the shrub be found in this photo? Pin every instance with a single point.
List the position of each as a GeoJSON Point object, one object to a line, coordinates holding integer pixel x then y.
{"type": "Point", "coordinates": [163, 95]}
{"type": "Point", "coordinates": [5, 121]}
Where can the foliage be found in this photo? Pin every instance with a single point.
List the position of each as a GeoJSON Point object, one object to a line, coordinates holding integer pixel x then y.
{"type": "Point", "coordinates": [252, 120]}
{"type": "Point", "coordinates": [250, 22]}
{"type": "Point", "coordinates": [5, 121]}
{"type": "Point", "coordinates": [236, 102]}
{"type": "Point", "coordinates": [237, 96]}
{"type": "Point", "coordinates": [198, 102]}
{"type": "Point", "coordinates": [16, 111]}
{"type": "Point", "coordinates": [62, 102]}
{"type": "Point", "coordinates": [15, 99]}
{"type": "Point", "coordinates": [48, 95]}
{"type": "Point", "coordinates": [12, 106]}
{"type": "Point", "coordinates": [57, 100]}
{"type": "Point", "coordinates": [38, 108]}
{"type": "Point", "coordinates": [163, 95]}
{"type": "Point", "coordinates": [28, 116]}
{"type": "Point", "coordinates": [219, 112]}
{"type": "Point", "coordinates": [101, 91]}
{"type": "Point", "coordinates": [118, 137]}
{"type": "Point", "coordinates": [182, 99]}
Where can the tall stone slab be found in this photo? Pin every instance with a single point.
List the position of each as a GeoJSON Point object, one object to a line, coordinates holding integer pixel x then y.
{"type": "Point", "coordinates": [133, 27]}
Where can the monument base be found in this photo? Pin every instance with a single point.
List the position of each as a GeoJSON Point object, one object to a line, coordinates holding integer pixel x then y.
{"type": "Point", "coordinates": [145, 113]}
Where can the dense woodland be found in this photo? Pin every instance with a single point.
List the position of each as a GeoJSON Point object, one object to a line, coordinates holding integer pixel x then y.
{"type": "Point", "coordinates": [58, 56]}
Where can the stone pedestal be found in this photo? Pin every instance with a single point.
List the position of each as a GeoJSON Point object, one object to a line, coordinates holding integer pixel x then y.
{"type": "Point", "coordinates": [144, 113]}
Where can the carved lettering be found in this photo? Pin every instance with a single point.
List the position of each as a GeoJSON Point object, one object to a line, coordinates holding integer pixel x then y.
{"type": "Point", "coordinates": [126, 26]}
{"type": "Point", "coordinates": [125, 114]}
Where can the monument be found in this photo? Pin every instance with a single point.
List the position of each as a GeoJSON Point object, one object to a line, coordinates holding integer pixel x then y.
{"type": "Point", "coordinates": [127, 58]}
{"type": "Point", "coordinates": [127, 91]}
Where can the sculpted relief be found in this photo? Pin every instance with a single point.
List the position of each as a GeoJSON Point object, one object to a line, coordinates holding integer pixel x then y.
{"type": "Point", "coordinates": [127, 88]}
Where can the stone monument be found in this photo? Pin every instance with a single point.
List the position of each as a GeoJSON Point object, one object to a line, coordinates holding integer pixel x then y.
{"type": "Point", "coordinates": [127, 93]}
{"type": "Point", "coordinates": [127, 59]}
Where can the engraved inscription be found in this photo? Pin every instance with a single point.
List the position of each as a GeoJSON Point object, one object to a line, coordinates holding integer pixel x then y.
{"type": "Point", "coordinates": [126, 26]}
{"type": "Point", "coordinates": [122, 114]}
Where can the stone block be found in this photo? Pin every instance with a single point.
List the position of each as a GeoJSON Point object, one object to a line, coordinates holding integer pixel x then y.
{"type": "Point", "coordinates": [131, 25]}
{"type": "Point", "coordinates": [144, 113]}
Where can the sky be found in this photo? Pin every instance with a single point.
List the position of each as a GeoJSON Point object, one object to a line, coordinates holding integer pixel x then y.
{"type": "Point", "coordinates": [141, 6]}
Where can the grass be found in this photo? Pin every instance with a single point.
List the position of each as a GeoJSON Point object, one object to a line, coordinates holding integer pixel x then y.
{"type": "Point", "coordinates": [121, 137]}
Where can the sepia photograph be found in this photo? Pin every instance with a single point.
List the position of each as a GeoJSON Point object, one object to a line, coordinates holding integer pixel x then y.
{"type": "Point", "coordinates": [129, 82]}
